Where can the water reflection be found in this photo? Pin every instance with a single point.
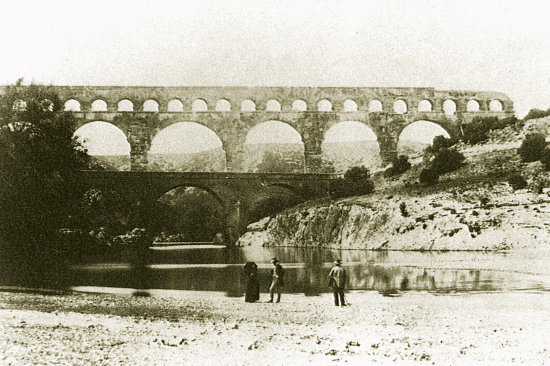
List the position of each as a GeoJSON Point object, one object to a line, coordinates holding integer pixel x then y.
{"type": "Point", "coordinates": [215, 269]}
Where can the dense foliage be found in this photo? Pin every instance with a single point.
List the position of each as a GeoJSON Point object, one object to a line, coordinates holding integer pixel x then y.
{"type": "Point", "coordinates": [40, 165]}
{"type": "Point", "coordinates": [545, 158]}
{"type": "Point", "coordinates": [536, 113]}
{"type": "Point", "coordinates": [399, 165]}
{"type": "Point", "coordinates": [517, 181]}
{"type": "Point", "coordinates": [356, 181]}
{"type": "Point", "coordinates": [532, 147]}
{"type": "Point", "coordinates": [428, 176]}
{"type": "Point", "coordinates": [477, 130]}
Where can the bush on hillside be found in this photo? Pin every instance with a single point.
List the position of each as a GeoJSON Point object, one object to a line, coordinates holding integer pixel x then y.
{"type": "Point", "coordinates": [477, 130]}
{"type": "Point", "coordinates": [532, 147]}
{"type": "Point", "coordinates": [446, 160]}
{"type": "Point", "coordinates": [536, 113]}
{"type": "Point", "coordinates": [428, 176]}
{"type": "Point", "coordinates": [399, 165]}
{"type": "Point", "coordinates": [545, 158]}
{"type": "Point", "coordinates": [440, 142]}
{"type": "Point", "coordinates": [356, 181]}
{"type": "Point", "coordinates": [517, 181]}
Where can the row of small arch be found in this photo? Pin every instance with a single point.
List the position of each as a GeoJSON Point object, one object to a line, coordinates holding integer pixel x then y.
{"type": "Point", "coordinates": [272, 105]}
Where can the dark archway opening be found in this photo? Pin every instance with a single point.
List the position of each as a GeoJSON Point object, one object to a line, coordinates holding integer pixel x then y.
{"type": "Point", "coordinates": [188, 214]}
{"type": "Point", "coordinates": [271, 200]}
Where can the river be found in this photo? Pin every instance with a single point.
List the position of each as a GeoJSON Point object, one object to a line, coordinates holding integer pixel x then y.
{"type": "Point", "coordinates": [388, 272]}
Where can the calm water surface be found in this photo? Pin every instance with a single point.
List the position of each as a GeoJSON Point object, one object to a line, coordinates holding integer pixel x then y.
{"type": "Point", "coordinates": [306, 270]}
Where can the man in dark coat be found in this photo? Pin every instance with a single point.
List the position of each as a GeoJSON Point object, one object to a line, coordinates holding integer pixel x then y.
{"type": "Point", "coordinates": [277, 280]}
{"type": "Point", "coordinates": [337, 280]}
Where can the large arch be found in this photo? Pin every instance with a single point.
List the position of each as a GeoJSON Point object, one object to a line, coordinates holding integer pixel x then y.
{"type": "Point", "coordinates": [418, 135]}
{"type": "Point", "coordinates": [273, 146]}
{"type": "Point", "coordinates": [347, 144]}
{"type": "Point", "coordinates": [186, 146]}
{"type": "Point", "coordinates": [106, 144]}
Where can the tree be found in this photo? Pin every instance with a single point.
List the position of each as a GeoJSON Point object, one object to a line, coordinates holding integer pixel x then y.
{"type": "Point", "coordinates": [40, 181]}
{"type": "Point", "coordinates": [356, 181]}
{"type": "Point", "coordinates": [532, 147]}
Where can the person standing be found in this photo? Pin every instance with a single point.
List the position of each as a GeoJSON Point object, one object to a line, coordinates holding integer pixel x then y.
{"type": "Point", "coordinates": [252, 293]}
{"type": "Point", "coordinates": [337, 278]}
{"type": "Point", "coordinates": [277, 280]}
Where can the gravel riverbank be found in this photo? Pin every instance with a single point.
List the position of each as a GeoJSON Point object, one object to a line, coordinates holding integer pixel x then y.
{"type": "Point", "coordinates": [203, 328]}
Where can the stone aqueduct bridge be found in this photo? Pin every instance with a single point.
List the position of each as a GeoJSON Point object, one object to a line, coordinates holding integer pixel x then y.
{"type": "Point", "coordinates": [236, 192]}
{"type": "Point", "coordinates": [141, 112]}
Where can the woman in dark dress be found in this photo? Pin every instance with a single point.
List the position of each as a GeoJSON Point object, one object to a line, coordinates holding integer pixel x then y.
{"type": "Point", "coordinates": [253, 283]}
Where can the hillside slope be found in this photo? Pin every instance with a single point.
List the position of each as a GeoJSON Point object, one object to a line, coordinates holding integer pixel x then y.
{"type": "Point", "coordinates": [472, 208]}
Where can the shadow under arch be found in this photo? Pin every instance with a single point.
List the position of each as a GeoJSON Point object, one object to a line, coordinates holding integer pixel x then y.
{"type": "Point", "coordinates": [190, 212]}
{"type": "Point", "coordinates": [106, 143]}
{"type": "Point", "coordinates": [273, 146]}
{"type": "Point", "coordinates": [186, 146]}
{"type": "Point", "coordinates": [272, 199]}
{"type": "Point", "coordinates": [349, 143]}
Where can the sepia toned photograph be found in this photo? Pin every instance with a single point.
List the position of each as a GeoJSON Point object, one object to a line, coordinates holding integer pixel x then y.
{"type": "Point", "coordinates": [275, 182]}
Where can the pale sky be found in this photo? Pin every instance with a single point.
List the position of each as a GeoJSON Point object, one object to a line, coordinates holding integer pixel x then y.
{"type": "Point", "coordinates": [483, 44]}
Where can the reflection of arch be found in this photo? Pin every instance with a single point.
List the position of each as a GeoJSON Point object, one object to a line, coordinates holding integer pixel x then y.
{"type": "Point", "coordinates": [299, 105]}
{"type": "Point", "coordinates": [350, 106]}
{"type": "Point", "coordinates": [125, 106]}
{"type": "Point", "coordinates": [273, 105]}
{"type": "Point", "coordinates": [248, 106]}
{"type": "Point", "coordinates": [324, 105]}
{"type": "Point", "coordinates": [415, 137]}
{"type": "Point", "coordinates": [375, 106]}
{"type": "Point", "coordinates": [199, 105]}
{"type": "Point", "coordinates": [103, 138]}
{"type": "Point", "coordinates": [472, 106]}
{"type": "Point", "coordinates": [449, 107]}
{"type": "Point", "coordinates": [400, 106]}
{"type": "Point", "coordinates": [72, 105]}
{"type": "Point", "coordinates": [223, 105]}
{"type": "Point", "coordinates": [99, 105]}
{"type": "Point", "coordinates": [425, 106]}
{"type": "Point", "coordinates": [150, 105]}
{"type": "Point", "coordinates": [350, 143]}
{"type": "Point", "coordinates": [495, 105]}
{"type": "Point", "coordinates": [175, 105]}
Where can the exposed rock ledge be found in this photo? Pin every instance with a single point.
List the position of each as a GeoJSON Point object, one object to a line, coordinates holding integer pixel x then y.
{"type": "Point", "coordinates": [436, 222]}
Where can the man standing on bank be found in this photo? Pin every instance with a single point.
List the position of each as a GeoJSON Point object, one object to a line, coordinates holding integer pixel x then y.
{"type": "Point", "coordinates": [277, 281]}
{"type": "Point", "coordinates": [337, 280]}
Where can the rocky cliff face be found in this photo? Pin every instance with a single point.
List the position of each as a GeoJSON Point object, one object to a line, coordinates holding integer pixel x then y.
{"type": "Point", "coordinates": [497, 221]}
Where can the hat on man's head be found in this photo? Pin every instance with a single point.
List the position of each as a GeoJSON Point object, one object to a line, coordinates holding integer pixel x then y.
{"type": "Point", "coordinates": [275, 260]}
{"type": "Point", "coordinates": [338, 261]}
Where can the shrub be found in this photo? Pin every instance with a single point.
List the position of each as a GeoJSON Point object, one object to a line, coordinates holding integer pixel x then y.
{"type": "Point", "coordinates": [356, 181]}
{"type": "Point", "coordinates": [545, 158]}
{"type": "Point", "coordinates": [399, 165]}
{"type": "Point", "coordinates": [440, 142]}
{"type": "Point", "coordinates": [446, 160]}
{"type": "Point", "coordinates": [477, 130]}
{"type": "Point", "coordinates": [517, 181]}
{"type": "Point", "coordinates": [536, 113]}
{"type": "Point", "coordinates": [532, 147]}
{"type": "Point", "coordinates": [428, 176]}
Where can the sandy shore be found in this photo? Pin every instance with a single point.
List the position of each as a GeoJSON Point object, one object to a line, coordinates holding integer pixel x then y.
{"type": "Point", "coordinates": [200, 328]}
